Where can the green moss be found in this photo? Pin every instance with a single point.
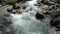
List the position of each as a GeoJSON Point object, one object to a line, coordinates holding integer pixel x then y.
{"type": "Point", "coordinates": [10, 1]}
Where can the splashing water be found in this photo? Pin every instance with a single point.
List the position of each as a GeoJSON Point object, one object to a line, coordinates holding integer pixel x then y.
{"type": "Point", "coordinates": [26, 23]}
{"type": "Point", "coordinates": [32, 2]}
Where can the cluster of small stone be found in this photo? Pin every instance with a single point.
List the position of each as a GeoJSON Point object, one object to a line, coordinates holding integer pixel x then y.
{"type": "Point", "coordinates": [15, 9]}
{"type": "Point", "coordinates": [55, 21]}
{"type": "Point", "coordinates": [53, 9]}
{"type": "Point", "coordinates": [47, 4]}
{"type": "Point", "coordinates": [2, 3]}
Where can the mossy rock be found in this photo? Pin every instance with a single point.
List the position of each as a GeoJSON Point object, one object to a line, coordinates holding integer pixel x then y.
{"type": "Point", "coordinates": [12, 2]}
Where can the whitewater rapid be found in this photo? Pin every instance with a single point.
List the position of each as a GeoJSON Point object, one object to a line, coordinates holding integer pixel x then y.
{"type": "Point", "coordinates": [26, 23]}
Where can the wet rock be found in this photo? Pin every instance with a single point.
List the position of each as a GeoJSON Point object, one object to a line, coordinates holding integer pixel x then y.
{"type": "Point", "coordinates": [55, 23]}
{"type": "Point", "coordinates": [9, 10]}
{"type": "Point", "coordinates": [42, 1]}
{"type": "Point", "coordinates": [39, 16]}
{"type": "Point", "coordinates": [24, 7]}
{"type": "Point", "coordinates": [14, 12]}
{"type": "Point", "coordinates": [46, 3]}
{"type": "Point", "coordinates": [52, 23]}
{"type": "Point", "coordinates": [53, 7]}
{"type": "Point", "coordinates": [49, 3]}
{"type": "Point", "coordinates": [17, 11]}
{"type": "Point", "coordinates": [50, 9]}
{"type": "Point", "coordinates": [45, 7]}
{"type": "Point", "coordinates": [58, 29]}
{"type": "Point", "coordinates": [54, 15]}
{"type": "Point", "coordinates": [16, 7]}
{"type": "Point", "coordinates": [57, 5]}
{"type": "Point", "coordinates": [47, 13]}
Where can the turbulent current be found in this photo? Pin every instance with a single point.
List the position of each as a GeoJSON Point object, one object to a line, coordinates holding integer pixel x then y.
{"type": "Point", "coordinates": [26, 23]}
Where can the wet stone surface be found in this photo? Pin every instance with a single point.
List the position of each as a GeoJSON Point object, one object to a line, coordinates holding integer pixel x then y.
{"type": "Point", "coordinates": [55, 23]}
{"type": "Point", "coordinates": [39, 16]}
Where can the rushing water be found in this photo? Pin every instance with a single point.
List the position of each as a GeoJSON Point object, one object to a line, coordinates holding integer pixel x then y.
{"type": "Point", "coordinates": [26, 23]}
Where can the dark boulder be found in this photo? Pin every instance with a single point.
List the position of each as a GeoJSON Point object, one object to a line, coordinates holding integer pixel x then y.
{"type": "Point", "coordinates": [55, 23]}
{"type": "Point", "coordinates": [39, 16]}
{"type": "Point", "coordinates": [9, 10]}
{"type": "Point", "coordinates": [53, 7]}
{"type": "Point", "coordinates": [42, 1]}
{"type": "Point", "coordinates": [52, 23]}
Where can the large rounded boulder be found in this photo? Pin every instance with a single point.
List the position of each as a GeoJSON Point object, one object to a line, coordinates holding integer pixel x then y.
{"type": "Point", "coordinates": [39, 16]}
